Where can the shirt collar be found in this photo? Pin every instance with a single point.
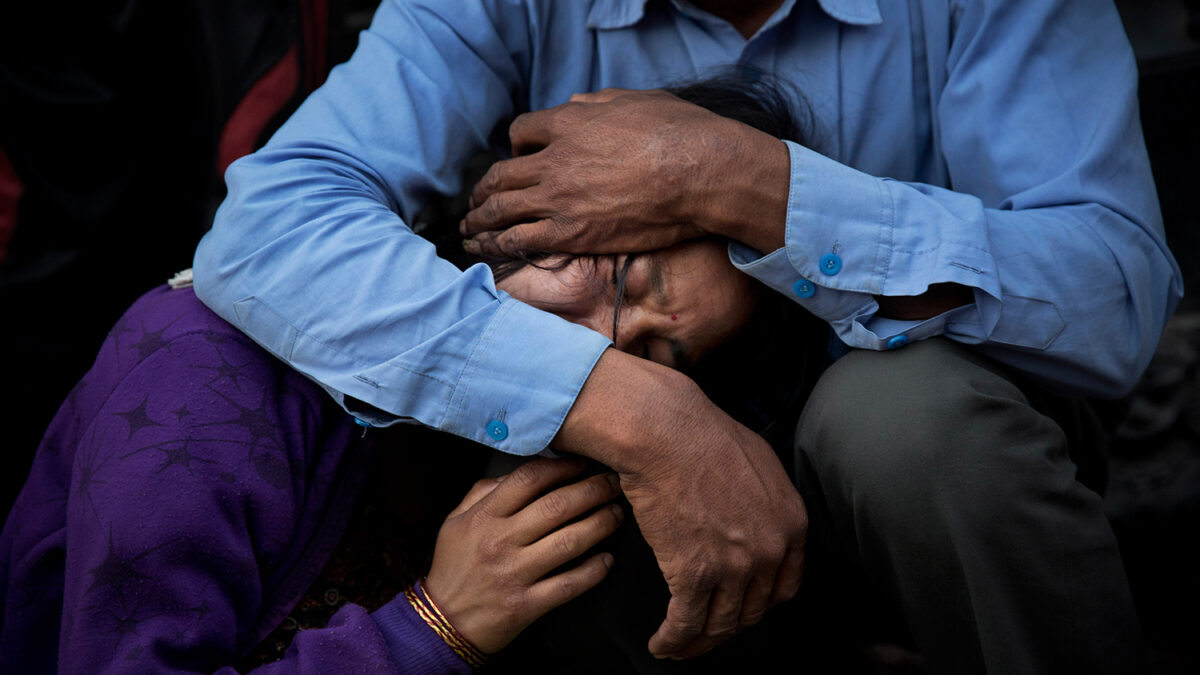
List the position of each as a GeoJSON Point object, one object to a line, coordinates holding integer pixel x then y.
{"type": "Point", "coordinates": [624, 13]}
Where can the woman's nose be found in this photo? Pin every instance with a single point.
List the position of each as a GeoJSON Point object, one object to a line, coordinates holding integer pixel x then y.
{"type": "Point", "coordinates": [629, 330]}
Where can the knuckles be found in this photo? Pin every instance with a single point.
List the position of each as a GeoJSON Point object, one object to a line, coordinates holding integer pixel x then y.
{"type": "Point", "coordinates": [491, 181]}
{"type": "Point", "coordinates": [553, 506]}
{"type": "Point", "coordinates": [493, 549]}
{"type": "Point", "coordinates": [597, 489]}
{"type": "Point", "coordinates": [567, 544]}
{"type": "Point", "coordinates": [492, 210]}
{"type": "Point", "coordinates": [527, 475]}
{"type": "Point", "coordinates": [565, 588]}
{"type": "Point", "coordinates": [515, 603]}
{"type": "Point", "coordinates": [719, 633]}
{"type": "Point", "coordinates": [752, 618]}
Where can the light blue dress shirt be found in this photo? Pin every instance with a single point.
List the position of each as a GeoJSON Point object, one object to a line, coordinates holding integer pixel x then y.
{"type": "Point", "coordinates": [990, 143]}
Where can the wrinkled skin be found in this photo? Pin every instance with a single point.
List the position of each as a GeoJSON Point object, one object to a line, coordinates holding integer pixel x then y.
{"type": "Point", "coordinates": [710, 496]}
{"type": "Point", "coordinates": [495, 550]}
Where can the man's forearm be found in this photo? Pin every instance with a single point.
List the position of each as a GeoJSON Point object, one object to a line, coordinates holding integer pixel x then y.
{"type": "Point", "coordinates": [748, 203]}
{"type": "Point", "coordinates": [745, 197]}
{"type": "Point", "coordinates": [711, 498]}
{"type": "Point", "coordinates": [627, 406]}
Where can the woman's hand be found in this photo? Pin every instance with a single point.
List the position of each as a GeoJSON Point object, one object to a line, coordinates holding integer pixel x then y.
{"type": "Point", "coordinates": [495, 550]}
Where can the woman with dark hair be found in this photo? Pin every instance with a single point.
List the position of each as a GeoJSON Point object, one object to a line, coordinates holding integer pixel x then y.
{"type": "Point", "coordinates": [195, 502]}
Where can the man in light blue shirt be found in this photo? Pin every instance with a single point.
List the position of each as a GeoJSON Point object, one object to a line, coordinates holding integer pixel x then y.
{"type": "Point", "coordinates": [980, 178]}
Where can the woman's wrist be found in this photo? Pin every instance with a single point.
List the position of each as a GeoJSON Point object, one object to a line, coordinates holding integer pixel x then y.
{"type": "Point", "coordinates": [429, 611]}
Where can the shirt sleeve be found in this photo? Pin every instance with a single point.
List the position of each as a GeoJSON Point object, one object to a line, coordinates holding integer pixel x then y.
{"type": "Point", "coordinates": [311, 255]}
{"type": "Point", "coordinates": [1052, 219]}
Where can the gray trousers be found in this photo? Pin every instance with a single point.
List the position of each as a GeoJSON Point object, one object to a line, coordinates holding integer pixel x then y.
{"type": "Point", "coordinates": [954, 491]}
{"type": "Point", "coordinates": [939, 489]}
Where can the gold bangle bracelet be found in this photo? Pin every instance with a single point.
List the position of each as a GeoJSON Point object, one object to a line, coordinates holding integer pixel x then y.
{"type": "Point", "coordinates": [433, 616]}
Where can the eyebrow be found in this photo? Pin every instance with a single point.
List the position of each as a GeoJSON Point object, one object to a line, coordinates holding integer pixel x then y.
{"type": "Point", "coordinates": [658, 285]}
{"type": "Point", "coordinates": [658, 281]}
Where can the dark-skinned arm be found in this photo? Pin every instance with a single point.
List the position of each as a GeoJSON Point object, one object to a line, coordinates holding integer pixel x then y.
{"type": "Point", "coordinates": [710, 497]}
{"type": "Point", "coordinates": [645, 161]}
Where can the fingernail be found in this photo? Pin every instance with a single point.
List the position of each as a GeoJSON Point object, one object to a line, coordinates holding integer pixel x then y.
{"type": "Point", "coordinates": [607, 559]}
{"type": "Point", "coordinates": [470, 246]}
{"type": "Point", "coordinates": [500, 479]}
{"type": "Point", "coordinates": [618, 512]}
{"type": "Point", "coordinates": [614, 481]}
{"type": "Point", "coordinates": [462, 227]}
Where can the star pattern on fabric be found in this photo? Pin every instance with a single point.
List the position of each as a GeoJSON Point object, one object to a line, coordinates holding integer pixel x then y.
{"type": "Point", "coordinates": [117, 569]}
{"type": "Point", "coordinates": [124, 326]}
{"type": "Point", "coordinates": [151, 342]}
{"type": "Point", "coordinates": [89, 465]}
{"type": "Point", "coordinates": [254, 420]}
{"type": "Point", "coordinates": [224, 370]}
{"type": "Point", "coordinates": [202, 610]}
{"type": "Point", "coordinates": [175, 453]}
{"type": "Point", "coordinates": [124, 621]}
{"type": "Point", "coordinates": [272, 470]}
{"type": "Point", "coordinates": [138, 418]}
{"type": "Point", "coordinates": [58, 498]}
{"type": "Point", "coordinates": [146, 341]}
{"type": "Point", "coordinates": [76, 392]}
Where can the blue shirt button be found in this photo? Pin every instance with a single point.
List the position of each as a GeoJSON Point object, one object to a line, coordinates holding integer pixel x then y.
{"type": "Point", "coordinates": [804, 288]}
{"type": "Point", "coordinates": [497, 430]}
{"type": "Point", "coordinates": [897, 342]}
{"type": "Point", "coordinates": [830, 264]}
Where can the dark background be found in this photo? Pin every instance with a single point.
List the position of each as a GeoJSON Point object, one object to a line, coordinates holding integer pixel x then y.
{"type": "Point", "coordinates": [116, 118]}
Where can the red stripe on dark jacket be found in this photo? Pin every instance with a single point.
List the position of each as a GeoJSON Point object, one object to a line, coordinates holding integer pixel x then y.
{"type": "Point", "coordinates": [11, 188]}
{"type": "Point", "coordinates": [257, 108]}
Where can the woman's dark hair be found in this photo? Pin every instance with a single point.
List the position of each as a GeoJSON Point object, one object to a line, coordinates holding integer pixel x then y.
{"type": "Point", "coordinates": [754, 98]}
{"type": "Point", "coordinates": [763, 374]}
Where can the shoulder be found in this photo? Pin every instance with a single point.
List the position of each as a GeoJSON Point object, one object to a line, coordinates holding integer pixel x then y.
{"type": "Point", "coordinates": [184, 346]}
{"type": "Point", "coordinates": [176, 389]}
{"type": "Point", "coordinates": [194, 376]}
{"type": "Point", "coordinates": [192, 417]}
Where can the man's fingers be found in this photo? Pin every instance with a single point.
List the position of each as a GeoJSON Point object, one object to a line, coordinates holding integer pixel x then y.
{"type": "Point", "coordinates": [757, 600]}
{"type": "Point", "coordinates": [724, 610]}
{"type": "Point", "coordinates": [787, 579]}
{"type": "Point", "coordinates": [530, 480]}
{"type": "Point", "coordinates": [563, 505]}
{"type": "Point", "coordinates": [503, 209]}
{"type": "Point", "coordinates": [553, 591]}
{"type": "Point", "coordinates": [508, 174]}
{"type": "Point", "coordinates": [505, 243]}
{"type": "Point", "coordinates": [531, 131]}
{"type": "Point", "coordinates": [685, 621]}
{"type": "Point", "coordinates": [568, 543]}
